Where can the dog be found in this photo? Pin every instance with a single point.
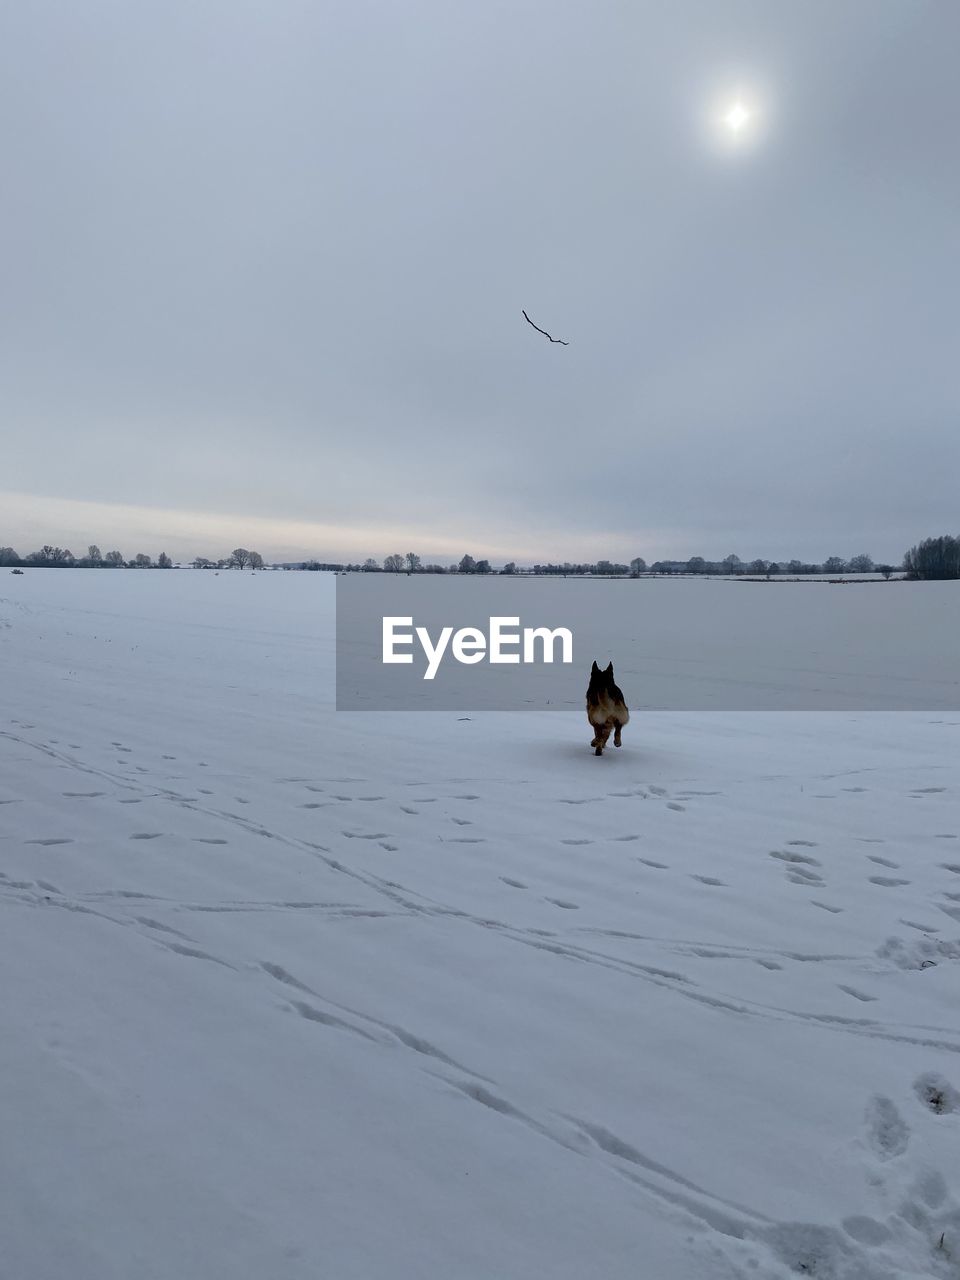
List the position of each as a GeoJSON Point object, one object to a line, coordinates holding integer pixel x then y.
{"type": "Point", "coordinates": [606, 708]}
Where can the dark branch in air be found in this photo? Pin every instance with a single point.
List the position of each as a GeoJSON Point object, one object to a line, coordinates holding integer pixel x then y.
{"type": "Point", "coordinates": [543, 331]}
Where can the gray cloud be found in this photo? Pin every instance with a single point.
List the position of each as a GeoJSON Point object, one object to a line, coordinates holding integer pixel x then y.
{"type": "Point", "coordinates": [268, 260]}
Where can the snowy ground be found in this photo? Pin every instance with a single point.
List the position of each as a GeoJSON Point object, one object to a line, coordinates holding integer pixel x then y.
{"type": "Point", "coordinates": [291, 994]}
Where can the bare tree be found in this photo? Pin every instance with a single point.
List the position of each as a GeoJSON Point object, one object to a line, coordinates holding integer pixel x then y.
{"type": "Point", "coordinates": [164, 561]}
{"type": "Point", "coordinates": [201, 562]}
{"type": "Point", "coordinates": [732, 564]}
{"type": "Point", "coordinates": [256, 560]}
{"type": "Point", "coordinates": [509, 567]}
{"type": "Point", "coordinates": [93, 554]}
{"type": "Point", "coordinates": [142, 561]}
{"type": "Point", "coordinates": [467, 565]}
{"type": "Point", "coordinates": [638, 565]}
{"type": "Point", "coordinates": [48, 555]}
{"type": "Point", "coordinates": [413, 562]}
{"type": "Point", "coordinates": [696, 564]}
{"type": "Point", "coordinates": [833, 564]}
{"type": "Point", "coordinates": [8, 556]}
{"type": "Point", "coordinates": [240, 557]}
{"type": "Point", "coordinates": [114, 559]}
{"type": "Point", "coordinates": [860, 564]}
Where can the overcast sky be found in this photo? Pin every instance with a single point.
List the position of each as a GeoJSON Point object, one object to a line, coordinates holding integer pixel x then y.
{"type": "Point", "coordinates": [264, 262]}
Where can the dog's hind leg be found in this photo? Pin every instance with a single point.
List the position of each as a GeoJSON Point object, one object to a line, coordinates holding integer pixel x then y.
{"type": "Point", "coordinates": [600, 741]}
{"type": "Point", "coordinates": [616, 733]}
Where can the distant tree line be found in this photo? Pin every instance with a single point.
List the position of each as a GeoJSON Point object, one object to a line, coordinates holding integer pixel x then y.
{"type": "Point", "coordinates": [61, 558]}
{"type": "Point", "coordinates": [933, 558]}
{"type": "Point", "coordinates": [411, 563]}
{"type": "Point", "coordinates": [733, 565]}
{"type": "Point", "coordinates": [239, 558]}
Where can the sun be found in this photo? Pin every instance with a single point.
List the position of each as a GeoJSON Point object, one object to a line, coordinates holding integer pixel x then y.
{"type": "Point", "coordinates": [737, 117]}
{"type": "Point", "coordinates": [737, 114]}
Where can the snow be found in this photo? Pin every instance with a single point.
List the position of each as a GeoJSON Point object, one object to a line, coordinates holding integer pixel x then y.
{"type": "Point", "coordinates": [293, 994]}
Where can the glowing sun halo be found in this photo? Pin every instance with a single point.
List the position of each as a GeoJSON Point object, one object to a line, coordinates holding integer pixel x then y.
{"type": "Point", "coordinates": [736, 118]}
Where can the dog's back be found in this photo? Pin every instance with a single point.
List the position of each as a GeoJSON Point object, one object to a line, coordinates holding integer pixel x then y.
{"type": "Point", "coordinates": [606, 708]}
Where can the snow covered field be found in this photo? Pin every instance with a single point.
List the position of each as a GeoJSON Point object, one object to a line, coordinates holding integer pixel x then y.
{"type": "Point", "coordinates": [292, 994]}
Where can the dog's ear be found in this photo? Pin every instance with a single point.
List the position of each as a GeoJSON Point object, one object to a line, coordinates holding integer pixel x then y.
{"type": "Point", "coordinates": [594, 670]}
{"type": "Point", "coordinates": [608, 670]}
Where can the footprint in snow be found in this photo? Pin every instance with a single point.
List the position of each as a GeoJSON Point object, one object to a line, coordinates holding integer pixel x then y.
{"type": "Point", "coordinates": [659, 866]}
{"type": "Point", "coordinates": [514, 884]}
{"type": "Point", "coordinates": [208, 840]}
{"type": "Point", "coordinates": [857, 995]}
{"type": "Point", "coordinates": [825, 906]}
{"type": "Point", "coordinates": [712, 880]}
{"type": "Point", "coordinates": [671, 804]}
{"type": "Point", "coordinates": [883, 862]}
{"type": "Point", "coordinates": [936, 1093]}
{"type": "Point", "coordinates": [576, 842]}
{"type": "Point", "coordinates": [146, 835]}
{"type": "Point", "coordinates": [794, 857]}
{"type": "Point", "coordinates": [564, 904]}
{"type": "Point", "coordinates": [887, 882]}
{"type": "Point", "coordinates": [865, 1230]}
{"type": "Point", "coordinates": [800, 875]}
{"type": "Point", "coordinates": [920, 928]}
{"type": "Point", "coordinates": [887, 1132]}
{"type": "Point", "coordinates": [803, 844]}
{"type": "Point", "coordinates": [51, 841]}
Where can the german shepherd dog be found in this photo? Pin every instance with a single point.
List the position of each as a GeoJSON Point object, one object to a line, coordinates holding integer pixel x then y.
{"type": "Point", "coordinates": [606, 708]}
